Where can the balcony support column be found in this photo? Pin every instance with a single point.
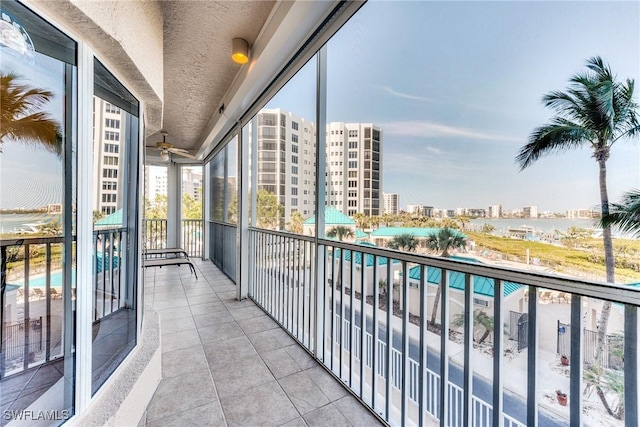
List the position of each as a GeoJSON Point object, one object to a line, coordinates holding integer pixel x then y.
{"type": "Point", "coordinates": [174, 214]}
{"type": "Point", "coordinates": [242, 191]}
{"type": "Point", "coordinates": [318, 318]}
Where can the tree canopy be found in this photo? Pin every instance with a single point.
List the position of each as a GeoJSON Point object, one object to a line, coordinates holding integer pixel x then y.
{"type": "Point", "coordinates": [22, 118]}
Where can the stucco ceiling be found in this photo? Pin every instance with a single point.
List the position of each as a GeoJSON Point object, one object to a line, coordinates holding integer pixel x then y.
{"type": "Point", "coordinates": [198, 70]}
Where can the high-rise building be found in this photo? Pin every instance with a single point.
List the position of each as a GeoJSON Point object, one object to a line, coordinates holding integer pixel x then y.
{"type": "Point", "coordinates": [191, 182]}
{"type": "Point", "coordinates": [422, 210]}
{"type": "Point", "coordinates": [530, 212]}
{"type": "Point", "coordinates": [391, 203]}
{"type": "Point", "coordinates": [495, 211]}
{"type": "Point", "coordinates": [286, 160]}
{"type": "Point", "coordinates": [287, 165]}
{"type": "Point", "coordinates": [354, 167]}
{"type": "Point", "coordinates": [107, 159]}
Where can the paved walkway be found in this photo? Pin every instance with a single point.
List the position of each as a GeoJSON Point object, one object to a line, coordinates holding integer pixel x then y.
{"type": "Point", "coordinates": [224, 362]}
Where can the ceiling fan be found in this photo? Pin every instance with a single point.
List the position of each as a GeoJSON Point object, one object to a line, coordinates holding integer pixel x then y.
{"type": "Point", "coordinates": [166, 148]}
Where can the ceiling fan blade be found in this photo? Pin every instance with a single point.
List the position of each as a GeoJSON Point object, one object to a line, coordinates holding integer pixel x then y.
{"type": "Point", "coordinates": [182, 152]}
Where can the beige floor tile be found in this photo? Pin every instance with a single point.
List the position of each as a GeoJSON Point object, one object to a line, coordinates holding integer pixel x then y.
{"type": "Point", "coordinates": [263, 405]}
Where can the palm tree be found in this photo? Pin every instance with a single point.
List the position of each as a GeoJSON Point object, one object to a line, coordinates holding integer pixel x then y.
{"type": "Point", "coordinates": [340, 232]}
{"type": "Point", "coordinates": [625, 215]}
{"type": "Point", "coordinates": [443, 241]}
{"type": "Point", "coordinates": [596, 111]}
{"type": "Point", "coordinates": [21, 118]}
{"type": "Point", "coordinates": [404, 242]}
{"type": "Point", "coordinates": [480, 318]}
{"type": "Point", "coordinates": [295, 222]}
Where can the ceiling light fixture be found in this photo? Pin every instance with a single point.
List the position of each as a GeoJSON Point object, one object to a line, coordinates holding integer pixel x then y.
{"type": "Point", "coordinates": [240, 51]}
{"type": "Point", "coordinates": [164, 155]}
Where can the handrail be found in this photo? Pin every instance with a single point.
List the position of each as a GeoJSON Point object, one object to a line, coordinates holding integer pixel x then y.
{"type": "Point", "coordinates": [600, 290]}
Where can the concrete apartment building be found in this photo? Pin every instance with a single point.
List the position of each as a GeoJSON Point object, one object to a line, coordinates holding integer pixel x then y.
{"type": "Point", "coordinates": [391, 203]}
{"type": "Point", "coordinates": [286, 164]}
{"type": "Point", "coordinates": [354, 167]}
{"type": "Point", "coordinates": [109, 120]}
{"type": "Point", "coordinates": [530, 212]}
{"type": "Point", "coordinates": [286, 160]}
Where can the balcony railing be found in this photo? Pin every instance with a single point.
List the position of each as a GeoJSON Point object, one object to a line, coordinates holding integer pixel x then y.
{"type": "Point", "coordinates": [35, 293]}
{"type": "Point", "coordinates": [155, 232]}
{"type": "Point", "coordinates": [409, 372]}
{"type": "Point", "coordinates": [223, 246]}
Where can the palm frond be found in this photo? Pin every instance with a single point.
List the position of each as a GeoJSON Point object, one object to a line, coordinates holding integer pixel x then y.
{"type": "Point", "coordinates": [625, 215]}
{"type": "Point", "coordinates": [558, 136]}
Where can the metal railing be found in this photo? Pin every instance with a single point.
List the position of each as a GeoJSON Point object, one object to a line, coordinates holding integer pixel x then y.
{"type": "Point", "coordinates": [36, 290]}
{"type": "Point", "coordinates": [325, 293]}
{"type": "Point", "coordinates": [28, 302]}
{"type": "Point", "coordinates": [109, 287]}
{"type": "Point", "coordinates": [155, 235]}
{"type": "Point", "coordinates": [223, 247]}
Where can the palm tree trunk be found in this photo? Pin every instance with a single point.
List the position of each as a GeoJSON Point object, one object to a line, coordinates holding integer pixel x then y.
{"type": "Point", "coordinates": [434, 311]}
{"type": "Point", "coordinates": [609, 263]}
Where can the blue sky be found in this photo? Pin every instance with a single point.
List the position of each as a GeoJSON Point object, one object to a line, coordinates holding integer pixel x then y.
{"type": "Point", "coordinates": [31, 177]}
{"type": "Point", "coordinates": [457, 88]}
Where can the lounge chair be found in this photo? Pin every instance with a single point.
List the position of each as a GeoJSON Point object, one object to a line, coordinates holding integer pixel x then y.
{"type": "Point", "coordinates": [36, 292]}
{"type": "Point", "coordinates": [163, 262]}
{"type": "Point", "coordinates": [165, 253]}
{"type": "Point", "coordinates": [55, 294]}
{"type": "Point", "coordinates": [545, 297]}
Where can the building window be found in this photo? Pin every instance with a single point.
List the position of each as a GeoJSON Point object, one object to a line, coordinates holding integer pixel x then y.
{"type": "Point", "coordinates": [294, 148]}
{"type": "Point", "coordinates": [110, 160]}
{"type": "Point", "coordinates": [294, 125]}
{"type": "Point", "coordinates": [294, 138]}
{"type": "Point", "coordinates": [111, 136]}
{"type": "Point", "coordinates": [111, 148]}
{"type": "Point", "coordinates": [112, 123]}
{"type": "Point", "coordinates": [294, 170]}
{"type": "Point", "coordinates": [111, 108]}
{"type": "Point", "coordinates": [109, 173]}
{"type": "Point", "coordinates": [353, 165]}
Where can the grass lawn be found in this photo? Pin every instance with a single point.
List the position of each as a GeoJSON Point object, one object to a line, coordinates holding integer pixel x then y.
{"type": "Point", "coordinates": [587, 258]}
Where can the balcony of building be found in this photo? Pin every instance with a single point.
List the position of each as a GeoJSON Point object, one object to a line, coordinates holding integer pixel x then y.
{"type": "Point", "coordinates": [275, 322]}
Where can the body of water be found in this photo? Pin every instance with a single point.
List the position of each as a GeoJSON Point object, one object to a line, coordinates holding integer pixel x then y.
{"type": "Point", "coordinates": [40, 280]}
{"type": "Point", "coordinates": [539, 225]}
{"type": "Point", "coordinates": [11, 223]}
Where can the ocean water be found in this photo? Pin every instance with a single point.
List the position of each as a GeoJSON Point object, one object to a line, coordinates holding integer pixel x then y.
{"type": "Point", "coordinates": [540, 224]}
{"type": "Point", "coordinates": [10, 223]}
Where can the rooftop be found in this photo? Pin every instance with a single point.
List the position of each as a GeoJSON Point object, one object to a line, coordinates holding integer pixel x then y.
{"type": "Point", "coordinates": [332, 216]}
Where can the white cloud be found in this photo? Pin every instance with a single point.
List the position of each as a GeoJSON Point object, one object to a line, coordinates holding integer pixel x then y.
{"type": "Point", "coordinates": [431, 129]}
{"type": "Point", "coordinates": [395, 93]}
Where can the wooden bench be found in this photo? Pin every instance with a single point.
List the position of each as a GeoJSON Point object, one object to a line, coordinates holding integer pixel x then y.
{"type": "Point", "coordinates": [163, 262]}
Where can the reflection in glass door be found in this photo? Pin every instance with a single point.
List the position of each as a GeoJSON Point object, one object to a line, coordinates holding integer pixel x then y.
{"type": "Point", "coordinates": [37, 218]}
{"type": "Point", "coordinates": [115, 197]}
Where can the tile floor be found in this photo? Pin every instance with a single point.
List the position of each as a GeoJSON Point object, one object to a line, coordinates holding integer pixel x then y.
{"type": "Point", "coordinates": [226, 363]}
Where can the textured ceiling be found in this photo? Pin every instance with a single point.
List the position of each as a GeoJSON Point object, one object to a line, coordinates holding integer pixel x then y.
{"type": "Point", "coordinates": [197, 61]}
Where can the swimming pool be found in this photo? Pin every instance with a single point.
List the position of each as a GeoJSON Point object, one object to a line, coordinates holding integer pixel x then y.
{"type": "Point", "coordinates": [40, 280]}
